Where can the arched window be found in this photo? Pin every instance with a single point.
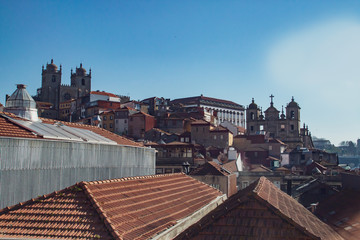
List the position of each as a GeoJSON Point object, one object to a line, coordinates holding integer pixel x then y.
{"type": "Point", "coordinates": [252, 116]}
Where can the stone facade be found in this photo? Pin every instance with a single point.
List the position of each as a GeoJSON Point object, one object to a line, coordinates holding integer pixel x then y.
{"type": "Point", "coordinates": [54, 92]}
{"type": "Point", "coordinates": [284, 126]}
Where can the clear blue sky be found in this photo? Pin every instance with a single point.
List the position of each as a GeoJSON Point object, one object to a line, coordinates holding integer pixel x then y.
{"type": "Point", "coordinates": [233, 50]}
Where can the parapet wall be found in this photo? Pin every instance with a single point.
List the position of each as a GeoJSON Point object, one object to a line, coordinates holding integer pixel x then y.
{"type": "Point", "coordinates": [29, 168]}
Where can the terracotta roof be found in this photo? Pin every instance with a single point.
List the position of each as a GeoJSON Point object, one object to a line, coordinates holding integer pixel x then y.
{"type": "Point", "coordinates": [141, 113]}
{"type": "Point", "coordinates": [342, 212]}
{"type": "Point", "coordinates": [103, 93]}
{"type": "Point", "coordinates": [260, 211]}
{"type": "Point", "coordinates": [259, 168]}
{"type": "Point", "coordinates": [200, 122]}
{"type": "Point", "coordinates": [127, 208]}
{"type": "Point", "coordinates": [231, 166]}
{"type": "Point", "coordinates": [12, 129]}
{"type": "Point", "coordinates": [211, 168]}
{"type": "Point", "coordinates": [9, 129]}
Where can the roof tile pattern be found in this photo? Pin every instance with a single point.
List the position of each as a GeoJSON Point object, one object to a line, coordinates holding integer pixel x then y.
{"type": "Point", "coordinates": [9, 129]}
{"type": "Point", "coordinates": [342, 212]}
{"type": "Point", "coordinates": [210, 168]}
{"type": "Point", "coordinates": [261, 211]}
{"type": "Point", "coordinates": [140, 208]}
{"type": "Point", "coordinates": [127, 208]}
{"type": "Point", "coordinates": [65, 214]}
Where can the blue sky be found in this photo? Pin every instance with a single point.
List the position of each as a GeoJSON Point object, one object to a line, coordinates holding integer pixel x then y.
{"type": "Point", "coordinates": [233, 50]}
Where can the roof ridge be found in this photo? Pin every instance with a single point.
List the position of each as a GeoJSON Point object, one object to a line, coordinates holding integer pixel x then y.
{"type": "Point", "coordinates": [106, 220]}
{"type": "Point", "coordinates": [128, 178]}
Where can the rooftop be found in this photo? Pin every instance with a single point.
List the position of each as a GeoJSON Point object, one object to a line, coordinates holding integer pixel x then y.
{"type": "Point", "coordinates": [261, 211]}
{"type": "Point", "coordinates": [126, 208]}
{"type": "Point", "coordinates": [13, 126]}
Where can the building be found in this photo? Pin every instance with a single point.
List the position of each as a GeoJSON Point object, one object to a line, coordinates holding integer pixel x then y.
{"type": "Point", "coordinates": [223, 110]}
{"type": "Point", "coordinates": [40, 155]}
{"type": "Point", "coordinates": [217, 176]}
{"type": "Point", "coordinates": [53, 91]}
{"type": "Point", "coordinates": [205, 134]}
{"type": "Point", "coordinates": [143, 207]}
{"type": "Point", "coordinates": [284, 126]}
{"type": "Point", "coordinates": [139, 124]}
{"type": "Point", "coordinates": [261, 211]}
{"type": "Point", "coordinates": [157, 106]}
{"type": "Point", "coordinates": [170, 157]}
{"type": "Point", "coordinates": [122, 119]}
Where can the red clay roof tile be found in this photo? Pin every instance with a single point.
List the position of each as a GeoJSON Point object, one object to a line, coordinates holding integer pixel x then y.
{"type": "Point", "coordinates": [127, 208]}
{"type": "Point", "coordinates": [261, 211]}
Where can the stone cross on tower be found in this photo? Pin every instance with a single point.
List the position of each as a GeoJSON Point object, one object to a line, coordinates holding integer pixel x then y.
{"type": "Point", "coordinates": [271, 103]}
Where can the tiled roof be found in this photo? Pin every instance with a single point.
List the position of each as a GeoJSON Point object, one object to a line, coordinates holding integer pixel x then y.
{"type": "Point", "coordinates": [260, 211]}
{"type": "Point", "coordinates": [103, 93]}
{"type": "Point", "coordinates": [211, 168]}
{"type": "Point", "coordinates": [342, 212]}
{"type": "Point", "coordinates": [8, 128]}
{"type": "Point", "coordinates": [207, 99]}
{"type": "Point", "coordinates": [64, 214]}
{"type": "Point", "coordinates": [231, 166]}
{"type": "Point", "coordinates": [127, 208]}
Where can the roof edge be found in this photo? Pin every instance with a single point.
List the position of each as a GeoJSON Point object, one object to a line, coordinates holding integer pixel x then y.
{"type": "Point", "coordinates": [190, 220]}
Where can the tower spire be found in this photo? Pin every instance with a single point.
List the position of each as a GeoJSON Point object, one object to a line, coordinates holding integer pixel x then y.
{"type": "Point", "coordinates": [271, 102]}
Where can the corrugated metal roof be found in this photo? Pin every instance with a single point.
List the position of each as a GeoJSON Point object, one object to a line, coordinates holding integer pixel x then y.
{"type": "Point", "coordinates": [63, 132]}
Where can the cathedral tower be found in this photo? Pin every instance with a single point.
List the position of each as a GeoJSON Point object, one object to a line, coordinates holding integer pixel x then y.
{"type": "Point", "coordinates": [50, 85]}
{"type": "Point", "coordinates": [81, 81]}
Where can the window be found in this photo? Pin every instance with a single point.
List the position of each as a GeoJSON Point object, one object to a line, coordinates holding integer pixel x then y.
{"type": "Point", "coordinates": [214, 137]}
{"type": "Point", "coordinates": [125, 121]}
{"type": "Point", "coordinates": [251, 128]}
{"type": "Point", "coordinates": [261, 127]}
{"type": "Point", "coordinates": [111, 125]}
{"type": "Point", "coordinates": [83, 82]}
{"type": "Point", "coordinates": [182, 139]}
{"type": "Point", "coordinates": [292, 114]}
{"type": "Point", "coordinates": [104, 125]}
{"type": "Point", "coordinates": [252, 116]}
{"type": "Point", "coordinates": [159, 171]}
{"type": "Point", "coordinates": [187, 139]}
{"type": "Point", "coordinates": [244, 184]}
{"type": "Point", "coordinates": [168, 170]}
{"type": "Point", "coordinates": [292, 127]}
{"type": "Point", "coordinates": [53, 78]}
{"type": "Point", "coordinates": [282, 127]}
{"type": "Point", "coordinates": [221, 136]}
{"type": "Point", "coordinates": [104, 118]}
{"type": "Point", "coordinates": [111, 117]}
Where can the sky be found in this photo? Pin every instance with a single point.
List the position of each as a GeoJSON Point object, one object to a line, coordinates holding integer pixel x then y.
{"type": "Point", "coordinates": [233, 50]}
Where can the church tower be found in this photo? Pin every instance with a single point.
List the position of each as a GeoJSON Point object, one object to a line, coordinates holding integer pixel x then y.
{"type": "Point", "coordinates": [252, 118]}
{"type": "Point", "coordinates": [81, 81]}
{"type": "Point", "coordinates": [50, 85]}
{"type": "Point", "coordinates": [293, 118]}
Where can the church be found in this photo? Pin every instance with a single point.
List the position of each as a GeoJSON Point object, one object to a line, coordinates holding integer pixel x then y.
{"type": "Point", "coordinates": [284, 126]}
{"type": "Point", "coordinates": [52, 91]}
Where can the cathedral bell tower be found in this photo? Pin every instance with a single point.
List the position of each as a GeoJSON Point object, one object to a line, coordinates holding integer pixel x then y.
{"type": "Point", "coordinates": [252, 118]}
{"type": "Point", "coordinates": [51, 82]}
{"type": "Point", "coordinates": [293, 118]}
{"type": "Point", "coordinates": [81, 80]}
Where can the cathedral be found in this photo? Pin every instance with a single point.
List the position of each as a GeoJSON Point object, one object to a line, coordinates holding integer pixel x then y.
{"type": "Point", "coordinates": [52, 91]}
{"type": "Point", "coordinates": [284, 126]}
